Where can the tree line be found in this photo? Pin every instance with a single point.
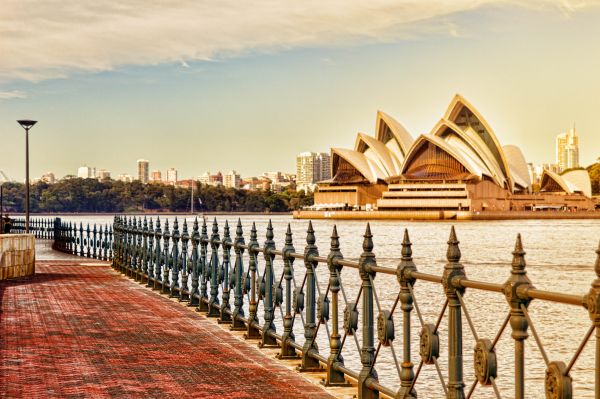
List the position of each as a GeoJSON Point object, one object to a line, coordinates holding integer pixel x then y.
{"type": "Point", "coordinates": [91, 195]}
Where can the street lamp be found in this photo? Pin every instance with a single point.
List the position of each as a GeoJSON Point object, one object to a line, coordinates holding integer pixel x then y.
{"type": "Point", "coordinates": [26, 124]}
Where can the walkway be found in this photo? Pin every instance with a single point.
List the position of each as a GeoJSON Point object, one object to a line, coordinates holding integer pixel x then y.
{"type": "Point", "coordinates": [78, 329]}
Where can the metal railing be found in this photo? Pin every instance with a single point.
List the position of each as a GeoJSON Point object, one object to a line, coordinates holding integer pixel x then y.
{"type": "Point", "coordinates": [41, 228]}
{"type": "Point", "coordinates": [201, 271]}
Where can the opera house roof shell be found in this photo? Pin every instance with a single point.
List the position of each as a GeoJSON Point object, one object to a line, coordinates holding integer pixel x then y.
{"type": "Point", "coordinates": [569, 182]}
{"type": "Point", "coordinates": [461, 146]}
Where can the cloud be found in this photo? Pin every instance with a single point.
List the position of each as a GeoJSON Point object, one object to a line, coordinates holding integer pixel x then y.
{"type": "Point", "coordinates": [12, 94]}
{"type": "Point", "coordinates": [54, 38]}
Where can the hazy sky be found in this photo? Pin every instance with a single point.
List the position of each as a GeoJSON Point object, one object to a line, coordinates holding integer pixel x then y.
{"type": "Point", "coordinates": [247, 85]}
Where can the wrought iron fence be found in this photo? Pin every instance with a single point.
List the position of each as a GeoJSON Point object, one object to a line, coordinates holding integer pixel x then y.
{"type": "Point", "coordinates": [198, 267]}
{"type": "Point", "coordinates": [41, 228]}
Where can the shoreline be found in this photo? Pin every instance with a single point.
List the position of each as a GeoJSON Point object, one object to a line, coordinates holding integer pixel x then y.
{"type": "Point", "coordinates": [446, 215]}
{"type": "Point", "coordinates": [145, 213]}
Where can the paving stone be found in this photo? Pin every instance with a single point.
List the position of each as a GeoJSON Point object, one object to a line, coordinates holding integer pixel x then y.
{"type": "Point", "coordinates": [74, 331]}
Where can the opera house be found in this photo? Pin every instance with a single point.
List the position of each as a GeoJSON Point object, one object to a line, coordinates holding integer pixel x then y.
{"type": "Point", "coordinates": [459, 165]}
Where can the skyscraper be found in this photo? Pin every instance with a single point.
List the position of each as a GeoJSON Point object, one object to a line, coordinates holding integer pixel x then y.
{"type": "Point", "coordinates": [143, 170]}
{"type": "Point", "coordinates": [156, 176]}
{"type": "Point", "coordinates": [172, 175]}
{"type": "Point", "coordinates": [312, 167]}
{"type": "Point", "coordinates": [567, 150]}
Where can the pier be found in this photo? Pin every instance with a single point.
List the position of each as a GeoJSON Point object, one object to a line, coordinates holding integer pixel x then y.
{"type": "Point", "coordinates": [147, 307]}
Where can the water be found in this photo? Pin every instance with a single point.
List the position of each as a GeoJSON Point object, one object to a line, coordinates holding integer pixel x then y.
{"type": "Point", "coordinates": [560, 257]}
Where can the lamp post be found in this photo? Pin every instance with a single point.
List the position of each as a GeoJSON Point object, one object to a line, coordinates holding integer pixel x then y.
{"type": "Point", "coordinates": [26, 124]}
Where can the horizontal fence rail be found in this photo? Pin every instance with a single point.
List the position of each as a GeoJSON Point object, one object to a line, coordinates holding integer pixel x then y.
{"type": "Point", "coordinates": [207, 271]}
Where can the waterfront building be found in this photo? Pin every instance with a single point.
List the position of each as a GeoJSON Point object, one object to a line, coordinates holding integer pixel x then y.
{"type": "Point", "coordinates": [48, 177]}
{"type": "Point", "coordinates": [143, 169]}
{"type": "Point", "coordinates": [86, 172]}
{"type": "Point", "coordinates": [103, 174]}
{"type": "Point", "coordinates": [156, 176]}
{"type": "Point", "coordinates": [311, 168]}
{"type": "Point", "coordinates": [172, 175]}
{"type": "Point", "coordinates": [204, 178]}
{"type": "Point", "coordinates": [211, 180]}
{"type": "Point", "coordinates": [567, 150]}
{"type": "Point", "coordinates": [232, 179]}
{"type": "Point", "coordinates": [459, 165]}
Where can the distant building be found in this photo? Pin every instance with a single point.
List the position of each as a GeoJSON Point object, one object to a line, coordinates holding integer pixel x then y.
{"type": "Point", "coordinates": [85, 172]}
{"type": "Point", "coordinates": [567, 150]}
{"type": "Point", "coordinates": [124, 177]}
{"type": "Point", "coordinates": [232, 179]}
{"type": "Point", "coordinates": [279, 180]}
{"type": "Point", "coordinates": [204, 178]}
{"type": "Point", "coordinates": [143, 167]}
{"type": "Point", "coordinates": [48, 177]}
{"type": "Point", "coordinates": [312, 167]}
{"type": "Point", "coordinates": [156, 176]}
{"type": "Point", "coordinates": [188, 183]}
{"type": "Point", "coordinates": [103, 174]}
{"type": "Point", "coordinates": [211, 180]}
{"type": "Point", "coordinates": [172, 175]}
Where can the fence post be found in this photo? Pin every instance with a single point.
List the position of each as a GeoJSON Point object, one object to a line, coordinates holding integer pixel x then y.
{"type": "Point", "coordinates": [367, 353]}
{"type": "Point", "coordinates": [403, 271]}
{"type": "Point", "coordinates": [252, 332]}
{"type": "Point", "coordinates": [203, 304]}
{"type": "Point", "coordinates": [335, 377]}
{"type": "Point", "coordinates": [158, 256]}
{"type": "Point", "coordinates": [185, 238]}
{"type": "Point", "coordinates": [150, 253]}
{"type": "Point", "coordinates": [166, 266]}
{"type": "Point", "coordinates": [310, 328]}
{"type": "Point", "coordinates": [287, 350]}
{"type": "Point", "coordinates": [593, 302]}
{"type": "Point", "coordinates": [238, 302]}
{"type": "Point", "coordinates": [224, 317]}
{"type": "Point", "coordinates": [267, 340]}
{"type": "Point", "coordinates": [175, 286]}
{"type": "Point", "coordinates": [454, 269]}
{"type": "Point", "coordinates": [518, 321]}
{"type": "Point", "coordinates": [144, 234]}
{"type": "Point", "coordinates": [213, 302]}
{"type": "Point", "coordinates": [195, 264]}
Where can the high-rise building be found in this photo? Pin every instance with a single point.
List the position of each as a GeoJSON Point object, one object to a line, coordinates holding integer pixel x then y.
{"type": "Point", "coordinates": [156, 176]}
{"type": "Point", "coordinates": [312, 167]}
{"type": "Point", "coordinates": [172, 175]}
{"type": "Point", "coordinates": [567, 150]}
{"type": "Point", "coordinates": [85, 172]}
{"type": "Point", "coordinates": [232, 179]}
{"type": "Point", "coordinates": [143, 170]}
{"type": "Point", "coordinates": [103, 174]}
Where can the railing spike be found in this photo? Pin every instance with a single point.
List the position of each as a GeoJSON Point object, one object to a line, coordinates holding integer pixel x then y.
{"type": "Point", "coordinates": [453, 253]}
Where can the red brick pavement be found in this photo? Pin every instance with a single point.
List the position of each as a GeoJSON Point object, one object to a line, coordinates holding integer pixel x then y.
{"type": "Point", "coordinates": [77, 331]}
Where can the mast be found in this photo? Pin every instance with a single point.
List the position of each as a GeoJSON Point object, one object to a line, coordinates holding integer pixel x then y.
{"type": "Point", "coordinates": [192, 210]}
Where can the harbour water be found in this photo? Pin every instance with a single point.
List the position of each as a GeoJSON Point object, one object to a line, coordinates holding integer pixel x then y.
{"type": "Point", "coordinates": [560, 257]}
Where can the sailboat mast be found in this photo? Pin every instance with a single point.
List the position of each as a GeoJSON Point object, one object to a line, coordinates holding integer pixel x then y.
{"type": "Point", "coordinates": [192, 211]}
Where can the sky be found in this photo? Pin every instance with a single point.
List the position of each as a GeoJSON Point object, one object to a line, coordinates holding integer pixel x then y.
{"type": "Point", "coordinates": [220, 85]}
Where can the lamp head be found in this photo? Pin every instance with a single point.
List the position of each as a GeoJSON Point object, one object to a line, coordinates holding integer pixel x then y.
{"type": "Point", "coordinates": [26, 123]}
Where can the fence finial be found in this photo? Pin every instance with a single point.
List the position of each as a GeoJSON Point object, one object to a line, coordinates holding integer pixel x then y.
{"type": "Point", "coordinates": [406, 247]}
{"type": "Point", "coordinates": [518, 263]}
{"type": "Point", "coordinates": [310, 234]}
{"type": "Point", "coordinates": [368, 239]}
{"type": "Point", "coordinates": [453, 253]}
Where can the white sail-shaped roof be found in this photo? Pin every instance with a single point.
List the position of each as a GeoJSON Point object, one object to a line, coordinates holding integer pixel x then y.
{"type": "Point", "coordinates": [472, 165]}
{"type": "Point", "coordinates": [463, 114]}
{"type": "Point", "coordinates": [518, 167]}
{"type": "Point", "coordinates": [451, 133]}
{"type": "Point", "coordinates": [359, 161]}
{"type": "Point", "coordinates": [574, 181]}
{"type": "Point", "coordinates": [377, 152]}
{"type": "Point", "coordinates": [391, 133]}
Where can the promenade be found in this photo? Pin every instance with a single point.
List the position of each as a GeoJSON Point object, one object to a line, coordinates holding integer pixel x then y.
{"type": "Point", "coordinates": [80, 329]}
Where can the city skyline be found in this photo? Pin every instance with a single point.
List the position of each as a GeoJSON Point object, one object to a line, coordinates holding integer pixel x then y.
{"type": "Point", "coordinates": [291, 91]}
